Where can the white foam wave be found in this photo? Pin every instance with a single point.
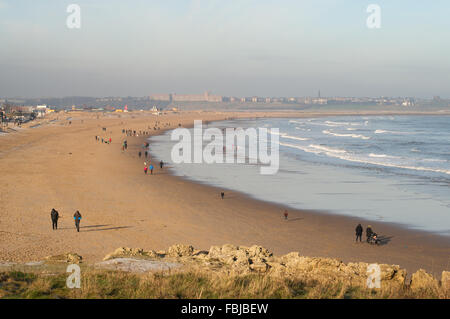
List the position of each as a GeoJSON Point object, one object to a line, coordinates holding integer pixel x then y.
{"type": "Point", "coordinates": [332, 123]}
{"type": "Point", "coordinates": [327, 149]}
{"type": "Point", "coordinates": [297, 122]}
{"type": "Point", "coordinates": [434, 160]}
{"type": "Point", "coordinates": [344, 155]}
{"type": "Point", "coordinates": [285, 135]}
{"type": "Point", "coordinates": [382, 156]}
{"type": "Point", "coordinates": [303, 129]}
{"type": "Point", "coordinates": [346, 135]}
{"type": "Point", "coordinates": [391, 132]}
{"type": "Point", "coordinates": [295, 138]}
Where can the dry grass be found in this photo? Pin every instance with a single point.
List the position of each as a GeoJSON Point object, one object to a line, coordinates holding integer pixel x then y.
{"type": "Point", "coordinates": [100, 284]}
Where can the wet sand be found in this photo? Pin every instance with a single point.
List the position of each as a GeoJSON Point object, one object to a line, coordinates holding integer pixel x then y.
{"type": "Point", "coordinates": [62, 166]}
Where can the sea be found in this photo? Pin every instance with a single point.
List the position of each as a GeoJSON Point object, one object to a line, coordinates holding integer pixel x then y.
{"type": "Point", "coordinates": [393, 169]}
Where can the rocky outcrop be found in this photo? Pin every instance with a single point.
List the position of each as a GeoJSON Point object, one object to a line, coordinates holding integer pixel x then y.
{"type": "Point", "coordinates": [130, 252]}
{"type": "Point", "coordinates": [70, 258]}
{"type": "Point", "coordinates": [256, 259]}
{"type": "Point", "coordinates": [421, 280]}
{"type": "Point", "coordinates": [180, 251]}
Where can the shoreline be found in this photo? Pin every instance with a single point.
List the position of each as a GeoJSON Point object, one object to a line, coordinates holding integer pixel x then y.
{"type": "Point", "coordinates": [325, 212]}
{"type": "Point", "coordinates": [63, 166]}
{"type": "Point", "coordinates": [429, 237]}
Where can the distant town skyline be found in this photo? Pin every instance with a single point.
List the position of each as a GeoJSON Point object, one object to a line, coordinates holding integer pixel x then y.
{"type": "Point", "coordinates": [285, 48]}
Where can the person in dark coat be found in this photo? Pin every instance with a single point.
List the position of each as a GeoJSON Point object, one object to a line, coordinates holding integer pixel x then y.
{"type": "Point", "coordinates": [55, 216]}
{"type": "Point", "coordinates": [369, 232]}
{"type": "Point", "coordinates": [359, 231]}
{"type": "Point", "coordinates": [222, 194]}
{"type": "Point", "coordinates": [77, 217]}
{"type": "Point", "coordinates": [161, 164]}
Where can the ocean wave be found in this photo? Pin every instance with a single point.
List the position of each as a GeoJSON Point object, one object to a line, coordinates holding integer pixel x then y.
{"type": "Point", "coordinates": [327, 123]}
{"type": "Point", "coordinates": [303, 129]}
{"type": "Point", "coordinates": [327, 149]}
{"type": "Point", "coordinates": [285, 135]}
{"type": "Point", "coordinates": [434, 160]}
{"type": "Point", "coordinates": [297, 122]}
{"type": "Point", "coordinates": [346, 135]}
{"type": "Point", "coordinates": [346, 156]}
{"type": "Point", "coordinates": [391, 132]}
{"type": "Point", "coordinates": [332, 123]}
{"type": "Point", "coordinates": [295, 138]}
{"type": "Point", "coordinates": [382, 156]}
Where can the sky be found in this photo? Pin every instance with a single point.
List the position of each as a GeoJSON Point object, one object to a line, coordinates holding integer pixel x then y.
{"type": "Point", "coordinates": [227, 47]}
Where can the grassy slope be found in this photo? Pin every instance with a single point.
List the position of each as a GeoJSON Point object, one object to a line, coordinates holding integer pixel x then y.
{"type": "Point", "coordinates": [190, 284]}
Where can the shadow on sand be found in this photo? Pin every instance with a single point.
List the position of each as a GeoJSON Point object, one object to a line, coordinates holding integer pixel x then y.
{"type": "Point", "coordinates": [384, 240]}
{"type": "Point", "coordinates": [110, 228]}
{"type": "Point", "coordinates": [294, 219]}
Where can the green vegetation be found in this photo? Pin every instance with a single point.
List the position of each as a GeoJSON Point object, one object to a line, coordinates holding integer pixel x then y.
{"type": "Point", "coordinates": [189, 284]}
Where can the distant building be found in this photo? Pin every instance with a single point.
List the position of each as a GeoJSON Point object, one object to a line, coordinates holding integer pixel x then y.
{"type": "Point", "coordinates": [161, 97]}
{"type": "Point", "coordinates": [408, 102]}
{"type": "Point", "coordinates": [205, 97]}
{"type": "Point", "coordinates": [320, 101]}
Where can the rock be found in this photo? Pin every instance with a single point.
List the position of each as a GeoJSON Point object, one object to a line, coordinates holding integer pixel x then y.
{"type": "Point", "coordinates": [393, 274]}
{"type": "Point", "coordinates": [130, 252]}
{"type": "Point", "coordinates": [200, 254]}
{"type": "Point", "coordinates": [422, 280]}
{"type": "Point", "coordinates": [247, 258]}
{"type": "Point", "coordinates": [258, 251]}
{"type": "Point", "coordinates": [71, 258]}
{"type": "Point", "coordinates": [260, 267]}
{"type": "Point", "coordinates": [180, 251]}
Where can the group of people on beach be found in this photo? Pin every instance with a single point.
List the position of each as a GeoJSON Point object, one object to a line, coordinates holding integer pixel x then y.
{"type": "Point", "coordinates": [149, 166]}
{"type": "Point", "coordinates": [54, 214]}
{"type": "Point", "coordinates": [371, 236]}
{"type": "Point", "coordinates": [103, 140]}
{"type": "Point", "coordinates": [135, 132]}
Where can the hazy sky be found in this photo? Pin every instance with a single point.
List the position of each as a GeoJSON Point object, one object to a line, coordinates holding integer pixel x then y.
{"type": "Point", "coordinates": [229, 47]}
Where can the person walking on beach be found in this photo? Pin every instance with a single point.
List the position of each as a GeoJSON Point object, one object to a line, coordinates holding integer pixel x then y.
{"type": "Point", "coordinates": [161, 164]}
{"type": "Point", "coordinates": [145, 169]}
{"type": "Point", "coordinates": [286, 214]}
{"type": "Point", "coordinates": [146, 154]}
{"type": "Point", "coordinates": [151, 169]}
{"type": "Point", "coordinates": [369, 232]}
{"type": "Point", "coordinates": [54, 215]}
{"type": "Point", "coordinates": [77, 218]}
{"type": "Point", "coordinates": [359, 231]}
{"type": "Point", "coordinates": [222, 195]}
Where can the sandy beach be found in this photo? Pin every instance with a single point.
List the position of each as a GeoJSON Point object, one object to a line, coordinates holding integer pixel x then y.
{"type": "Point", "coordinates": [61, 165]}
